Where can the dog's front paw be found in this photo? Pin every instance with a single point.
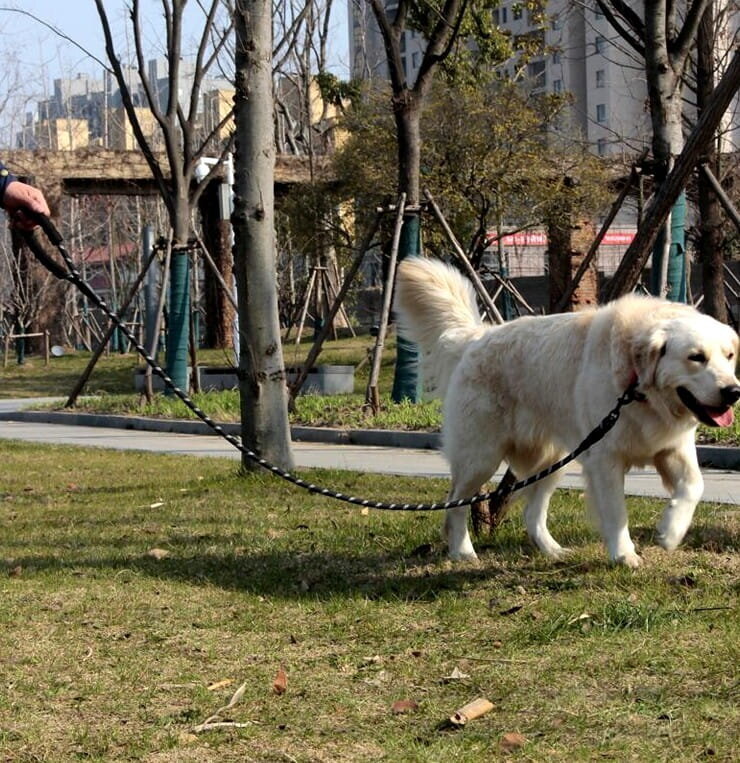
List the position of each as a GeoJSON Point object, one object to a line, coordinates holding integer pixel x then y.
{"type": "Point", "coordinates": [629, 559]}
{"type": "Point", "coordinates": [668, 541]}
{"type": "Point", "coordinates": [463, 556]}
{"type": "Point", "coordinates": [669, 537]}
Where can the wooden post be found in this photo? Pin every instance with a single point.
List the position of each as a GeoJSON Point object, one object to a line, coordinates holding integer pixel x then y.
{"type": "Point", "coordinates": [491, 309]}
{"type": "Point", "coordinates": [591, 253]}
{"type": "Point", "coordinates": [372, 398]}
{"type": "Point", "coordinates": [304, 311]}
{"type": "Point", "coordinates": [295, 388]}
{"type": "Point", "coordinates": [85, 375]}
{"type": "Point", "coordinates": [628, 273]}
{"type": "Point", "coordinates": [724, 199]}
{"type": "Point", "coordinates": [46, 347]}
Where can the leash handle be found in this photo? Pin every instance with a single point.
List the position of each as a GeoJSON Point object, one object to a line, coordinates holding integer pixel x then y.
{"type": "Point", "coordinates": [37, 248]}
{"type": "Point", "coordinates": [46, 225]}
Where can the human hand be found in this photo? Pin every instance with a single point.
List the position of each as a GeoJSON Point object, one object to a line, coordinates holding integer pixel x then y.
{"type": "Point", "coordinates": [20, 196]}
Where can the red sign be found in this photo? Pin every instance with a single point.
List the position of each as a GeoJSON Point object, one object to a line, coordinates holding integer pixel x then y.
{"type": "Point", "coordinates": [619, 237]}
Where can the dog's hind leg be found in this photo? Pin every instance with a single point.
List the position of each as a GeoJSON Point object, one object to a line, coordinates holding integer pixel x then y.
{"type": "Point", "coordinates": [535, 516]}
{"type": "Point", "coordinates": [679, 470]}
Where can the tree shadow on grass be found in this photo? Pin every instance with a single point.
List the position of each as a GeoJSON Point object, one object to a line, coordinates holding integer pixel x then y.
{"type": "Point", "coordinates": [304, 566]}
{"type": "Point", "coordinates": [287, 574]}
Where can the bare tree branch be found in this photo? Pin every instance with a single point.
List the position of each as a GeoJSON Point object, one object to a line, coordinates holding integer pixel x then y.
{"type": "Point", "coordinates": [57, 32]}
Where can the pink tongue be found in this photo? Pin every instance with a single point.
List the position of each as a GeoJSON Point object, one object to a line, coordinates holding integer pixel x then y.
{"type": "Point", "coordinates": [723, 419]}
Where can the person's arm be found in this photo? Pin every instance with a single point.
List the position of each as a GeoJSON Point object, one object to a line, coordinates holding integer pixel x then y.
{"type": "Point", "coordinates": [15, 196]}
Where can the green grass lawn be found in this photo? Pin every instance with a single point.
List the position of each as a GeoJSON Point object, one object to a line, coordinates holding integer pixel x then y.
{"type": "Point", "coordinates": [140, 591]}
{"type": "Point", "coordinates": [110, 390]}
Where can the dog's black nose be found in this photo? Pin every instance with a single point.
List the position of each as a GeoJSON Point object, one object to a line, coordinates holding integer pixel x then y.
{"type": "Point", "coordinates": [730, 395]}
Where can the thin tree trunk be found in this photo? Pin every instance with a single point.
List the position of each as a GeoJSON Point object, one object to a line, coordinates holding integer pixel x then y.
{"type": "Point", "coordinates": [709, 246]}
{"type": "Point", "coordinates": [263, 390]}
{"type": "Point", "coordinates": [628, 273]}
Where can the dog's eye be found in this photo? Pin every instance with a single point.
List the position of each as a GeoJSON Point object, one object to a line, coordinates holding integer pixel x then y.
{"type": "Point", "coordinates": [731, 356]}
{"type": "Point", "coordinates": [698, 357]}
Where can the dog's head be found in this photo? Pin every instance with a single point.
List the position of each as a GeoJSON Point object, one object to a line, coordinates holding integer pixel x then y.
{"type": "Point", "coordinates": [685, 363]}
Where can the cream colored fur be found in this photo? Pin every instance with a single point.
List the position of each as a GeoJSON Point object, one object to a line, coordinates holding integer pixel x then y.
{"type": "Point", "coordinates": [529, 391]}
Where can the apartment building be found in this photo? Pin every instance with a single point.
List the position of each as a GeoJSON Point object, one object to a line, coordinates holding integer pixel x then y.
{"type": "Point", "coordinates": [584, 56]}
{"type": "Point", "coordinates": [87, 111]}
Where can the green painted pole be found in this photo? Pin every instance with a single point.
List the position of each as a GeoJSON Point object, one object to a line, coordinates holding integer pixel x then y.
{"type": "Point", "coordinates": [178, 325]}
{"type": "Point", "coordinates": [676, 270]}
{"type": "Point", "coordinates": [20, 344]}
{"type": "Point", "coordinates": [406, 378]}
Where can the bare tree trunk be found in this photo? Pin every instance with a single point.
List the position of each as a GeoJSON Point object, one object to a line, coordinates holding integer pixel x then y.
{"type": "Point", "coordinates": [709, 246]}
{"type": "Point", "coordinates": [263, 390]}
{"type": "Point", "coordinates": [628, 272]}
{"type": "Point", "coordinates": [217, 239]}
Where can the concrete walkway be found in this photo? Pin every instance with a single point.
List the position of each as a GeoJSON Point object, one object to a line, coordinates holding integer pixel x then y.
{"type": "Point", "coordinates": [721, 486]}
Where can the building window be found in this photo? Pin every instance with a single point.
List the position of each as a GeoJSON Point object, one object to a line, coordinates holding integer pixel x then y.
{"type": "Point", "coordinates": [557, 86]}
{"type": "Point", "coordinates": [601, 113]}
{"type": "Point", "coordinates": [504, 15]}
{"type": "Point", "coordinates": [496, 15]}
{"type": "Point", "coordinates": [599, 44]}
{"type": "Point", "coordinates": [415, 60]}
{"type": "Point", "coordinates": [516, 11]}
{"type": "Point", "coordinates": [556, 23]}
{"type": "Point", "coordinates": [601, 146]}
{"type": "Point", "coordinates": [556, 56]}
{"type": "Point", "coordinates": [402, 43]}
{"type": "Point", "coordinates": [600, 78]}
{"type": "Point", "coordinates": [536, 71]}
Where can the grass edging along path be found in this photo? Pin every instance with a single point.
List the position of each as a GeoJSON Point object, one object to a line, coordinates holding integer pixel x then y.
{"type": "Point", "coordinates": [140, 591]}
{"type": "Point", "coordinates": [715, 456]}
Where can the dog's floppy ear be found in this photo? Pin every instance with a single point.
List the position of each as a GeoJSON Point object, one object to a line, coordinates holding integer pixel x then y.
{"type": "Point", "coordinates": [635, 353]}
{"type": "Point", "coordinates": [647, 350]}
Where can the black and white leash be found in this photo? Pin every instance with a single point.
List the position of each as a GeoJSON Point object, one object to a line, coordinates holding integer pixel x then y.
{"type": "Point", "coordinates": [505, 488]}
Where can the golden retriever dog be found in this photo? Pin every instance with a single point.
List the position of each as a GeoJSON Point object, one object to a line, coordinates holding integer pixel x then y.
{"type": "Point", "coordinates": [529, 391]}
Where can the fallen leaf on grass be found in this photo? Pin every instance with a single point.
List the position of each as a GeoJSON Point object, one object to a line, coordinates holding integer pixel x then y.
{"type": "Point", "coordinates": [158, 553]}
{"type": "Point", "coordinates": [220, 684]}
{"type": "Point", "coordinates": [579, 618]}
{"type": "Point", "coordinates": [456, 675]}
{"type": "Point", "coordinates": [512, 741]}
{"type": "Point", "coordinates": [404, 706]}
{"type": "Point", "coordinates": [280, 684]}
{"type": "Point", "coordinates": [15, 572]}
{"type": "Point", "coordinates": [214, 721]}
{"type": "Point", "coordinates": [511, 610]}
{"type": "Point", "coordinates": [368, 661]}
{"type": "Point", "coordinates": [685, 581]}
{"type": "Point", "coordinates": [380, 678]}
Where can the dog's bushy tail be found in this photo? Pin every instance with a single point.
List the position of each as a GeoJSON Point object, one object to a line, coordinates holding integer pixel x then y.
{"type": "Point", "coordinates": [436, 308]}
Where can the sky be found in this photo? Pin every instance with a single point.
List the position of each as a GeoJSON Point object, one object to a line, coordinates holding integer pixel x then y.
{"type": "Point", "coordinates": [44, 55]}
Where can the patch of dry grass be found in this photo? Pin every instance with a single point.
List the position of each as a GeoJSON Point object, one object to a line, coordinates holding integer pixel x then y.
{"type": "Point", "coordinates": [109, 650]}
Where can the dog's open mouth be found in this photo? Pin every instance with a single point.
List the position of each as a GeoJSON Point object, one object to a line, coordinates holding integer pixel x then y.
{"type": "Point", "coordinates": [721, 416]}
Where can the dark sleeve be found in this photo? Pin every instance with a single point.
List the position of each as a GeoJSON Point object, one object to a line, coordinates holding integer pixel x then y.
{"type": "Point", "coordinates": [6, 178]}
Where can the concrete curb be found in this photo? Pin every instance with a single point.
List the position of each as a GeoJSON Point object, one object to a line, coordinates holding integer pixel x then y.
{"type": "Point", "coordinates": [714, 456]}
